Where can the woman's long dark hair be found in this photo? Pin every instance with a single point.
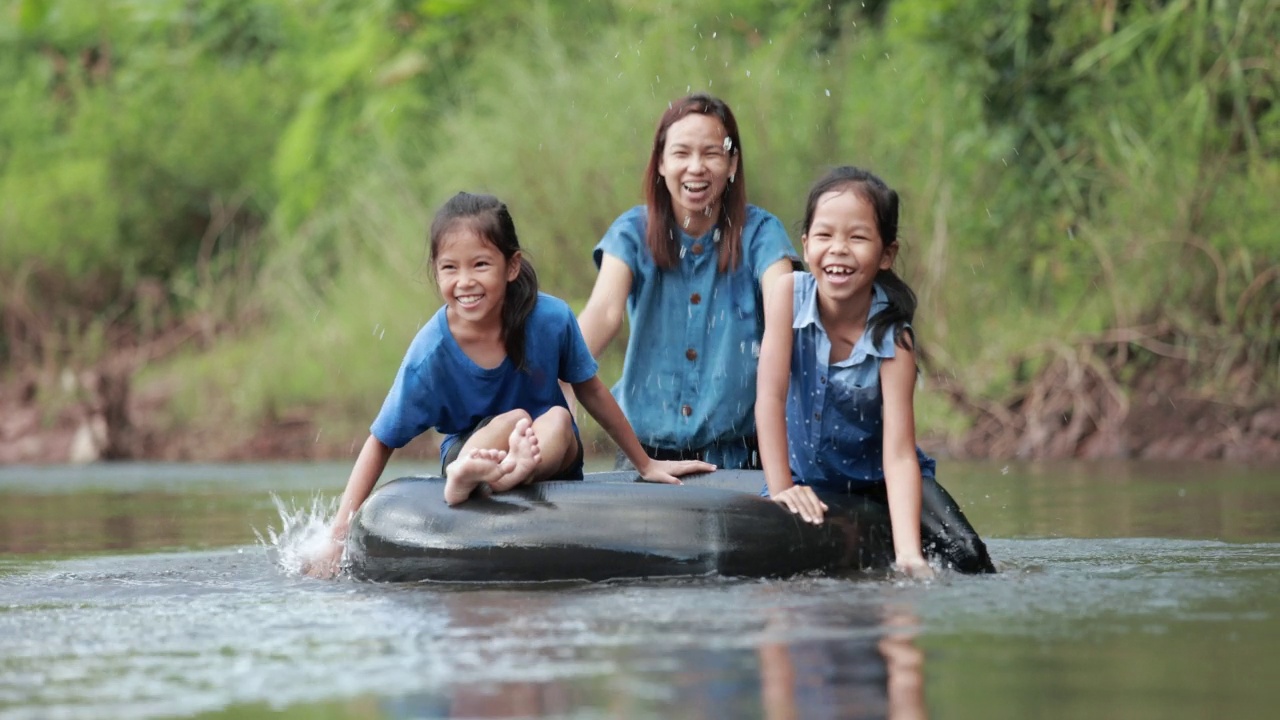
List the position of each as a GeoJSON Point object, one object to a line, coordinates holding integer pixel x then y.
{"type": "Point", "coordinates": [663, 228]}
{"type": "Point", "coordinates": [489, 218]}
{"type": "Point", "coordinates": [900, 311]}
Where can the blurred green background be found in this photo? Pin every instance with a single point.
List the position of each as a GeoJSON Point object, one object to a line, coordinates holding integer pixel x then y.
{"type": "Point", "coordinates": [225, 201]}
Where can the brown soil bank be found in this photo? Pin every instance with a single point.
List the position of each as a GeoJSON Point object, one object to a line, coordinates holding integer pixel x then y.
{"type": "Point", "coordinates": [1072, 408]}
{"type": "Point", "coordinates": [1076, 407]}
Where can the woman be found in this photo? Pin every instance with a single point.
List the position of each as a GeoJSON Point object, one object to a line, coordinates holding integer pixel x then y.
{"type": "Point", "coordinates": [689, 269]}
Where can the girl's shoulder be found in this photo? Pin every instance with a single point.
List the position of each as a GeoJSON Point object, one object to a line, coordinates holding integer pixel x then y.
{"type": "Point", "coordinates": [435, 329]}
{"type": "Point", "coordinates": [804, 297]}
{"type": "Point", "coordinates": [548, 303]}
{"type": "Point", "coordinates": [803, 281]}
{"type": "Point", "coordinates": [431, 340]}
{"type": "Point", "coordinates": [550, 310]}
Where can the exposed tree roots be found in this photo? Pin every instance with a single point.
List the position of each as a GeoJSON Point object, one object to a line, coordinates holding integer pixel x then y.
{"type": "Point", "coordinates": [1143, 402]}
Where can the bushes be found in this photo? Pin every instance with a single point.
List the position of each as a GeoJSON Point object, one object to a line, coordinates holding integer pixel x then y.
{"type": "Point", "coordinates": [1068, 169]}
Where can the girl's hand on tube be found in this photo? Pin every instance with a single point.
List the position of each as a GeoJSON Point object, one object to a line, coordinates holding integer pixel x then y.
{"type": "Point", "coordinates": [916, 568]}
{"type": "Point", "coordinates": [326, 562]}
{"type": "Point", "coordinates": [801, 499]}
{"type": "Point", "coordinates": [670, 471]}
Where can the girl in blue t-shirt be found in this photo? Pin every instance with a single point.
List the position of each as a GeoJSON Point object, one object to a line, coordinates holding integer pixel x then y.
{"type": "Point", "coordinates": [834, 404]}
{"type": "Point", "coordinates": [485, 371]}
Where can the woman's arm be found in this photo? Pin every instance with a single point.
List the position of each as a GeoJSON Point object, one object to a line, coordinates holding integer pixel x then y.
{"type": "Point", "coordinates": [602, 317]}
{"type": "Point", "coordinates": [901, 465]}
{"type": "Point", "coordinates": [364, 475]}
{"type": "Point", "coordinates": [772, 377]}
{"type": "Point", "coordinates": [598, 401]}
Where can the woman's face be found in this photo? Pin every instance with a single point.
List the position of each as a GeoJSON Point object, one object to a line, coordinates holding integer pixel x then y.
{"type": "Point", "coordinates": [696, 165]}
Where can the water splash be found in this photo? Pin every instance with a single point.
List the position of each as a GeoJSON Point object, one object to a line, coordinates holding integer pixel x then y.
{"type": "Point", "coordinates": [303, 534]}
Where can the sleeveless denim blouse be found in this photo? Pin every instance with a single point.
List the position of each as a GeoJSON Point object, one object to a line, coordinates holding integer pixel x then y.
{"type": "Point", "coordinates": [835, 412]}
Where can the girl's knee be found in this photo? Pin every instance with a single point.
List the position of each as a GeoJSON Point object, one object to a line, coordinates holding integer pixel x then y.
{"type": "Point", "coordinates": [556, 423]}
{"type": "Point", "coordinates": [557, 417]}
{"type": "Point", "coordinates": [508, 420]}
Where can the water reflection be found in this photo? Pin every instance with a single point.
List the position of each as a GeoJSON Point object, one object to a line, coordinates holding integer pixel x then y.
{"type": "Point", "coordinates": [881, 675]}
{"type": "Point", "coordinates": [1119, 499]}
{"type": "Point", "coordinates": [91, 522]}
{"type": "Point", "coordinates": [821, 660]}
{"type": "Point", "coordinates": [492, 621]}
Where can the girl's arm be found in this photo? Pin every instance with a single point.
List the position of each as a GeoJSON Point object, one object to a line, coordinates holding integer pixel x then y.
{"type": "Point", "coordinates": [364, 475]}
{"type": "Point", "coordinates": [598, 401]}
{"type": "Point", "coordinates": [772, 377]}
{"type": "Point", "coordinates": [901, 465]}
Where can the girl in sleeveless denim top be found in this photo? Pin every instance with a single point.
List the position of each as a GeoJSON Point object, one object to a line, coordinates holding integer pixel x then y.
{"type": "Point", "coordinates": [836, 380]}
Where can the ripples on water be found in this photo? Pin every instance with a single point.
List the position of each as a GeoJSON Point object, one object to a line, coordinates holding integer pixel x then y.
{"type": "Point", "coordinates": [1071, 628]}
{"type": "Point", "coordinates": [187, 632]}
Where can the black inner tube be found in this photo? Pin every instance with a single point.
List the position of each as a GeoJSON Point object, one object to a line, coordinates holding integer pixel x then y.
{"type": "Point", "coordinates": [610, 526]}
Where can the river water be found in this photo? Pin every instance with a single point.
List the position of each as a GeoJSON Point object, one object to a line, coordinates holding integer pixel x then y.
{"type": "Point", "coordinates": [1128, 590]}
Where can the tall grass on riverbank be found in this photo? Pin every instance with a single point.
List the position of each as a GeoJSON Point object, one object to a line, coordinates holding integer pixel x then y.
{"type": "Point", "coordinates": [1088, 187]}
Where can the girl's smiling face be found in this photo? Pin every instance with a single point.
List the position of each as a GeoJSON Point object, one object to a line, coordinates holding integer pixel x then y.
{"type": "Point", "coordinates": [473, 275]}
{"type": "Point", "coordinates": [843, 247]}
{"type": "Point", "coordinates": [696, 165]}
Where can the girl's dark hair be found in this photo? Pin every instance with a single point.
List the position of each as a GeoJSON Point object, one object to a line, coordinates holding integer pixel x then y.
{"type": "Point", "coordinates": [489, 218]}
{"type": "Point", "coordinates": [884, 201]}
{"type": "Point", "coordinates": [663, 228]}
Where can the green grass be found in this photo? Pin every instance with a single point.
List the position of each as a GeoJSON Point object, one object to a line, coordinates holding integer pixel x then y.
{"type": "Point", "coordinates": [1132, 187]}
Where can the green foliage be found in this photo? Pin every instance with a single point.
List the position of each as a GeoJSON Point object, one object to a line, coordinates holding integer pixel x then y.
{"type": "Point", "coordinates": [1133, 126]}
{"type": "Point", "coordinates": [1067, 169]}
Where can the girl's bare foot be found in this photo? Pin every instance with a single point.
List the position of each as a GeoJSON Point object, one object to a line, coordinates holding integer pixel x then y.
{"type": "Point", "coordinates": [523, 454]}
{"type": "Point", "coordinates": [473, 468]}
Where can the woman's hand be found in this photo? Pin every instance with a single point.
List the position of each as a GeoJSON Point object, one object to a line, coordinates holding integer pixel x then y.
{"type": "Point", "coordinates": [801, 499]}
{"type": "Point", "coordinates": [670, 471]}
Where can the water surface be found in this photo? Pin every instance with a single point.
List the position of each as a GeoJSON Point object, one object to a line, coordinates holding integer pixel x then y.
{"type": "Point", "coordinates": [1129, 590]}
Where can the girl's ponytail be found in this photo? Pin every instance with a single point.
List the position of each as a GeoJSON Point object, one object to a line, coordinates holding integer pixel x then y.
{"type": "Point", "coordinates": [522, 295]}
{"type": "Point", "coordinates": [898, 314]}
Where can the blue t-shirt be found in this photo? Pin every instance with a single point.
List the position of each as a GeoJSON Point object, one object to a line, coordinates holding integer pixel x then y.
{"type": "Point", "coordinates": [689, 379]}
{"type": "Point", "coordinates": [835, 412]}
{"type": "Point", "coordinates": [439, 387]}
